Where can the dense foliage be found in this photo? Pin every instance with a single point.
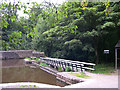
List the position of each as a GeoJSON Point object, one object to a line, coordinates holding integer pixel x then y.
{"type": "Point", "coordinates": [72, 30]}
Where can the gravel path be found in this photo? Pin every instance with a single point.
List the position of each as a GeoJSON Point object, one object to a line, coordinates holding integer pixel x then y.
{"type": "Point", "coordinates": [98, 81]}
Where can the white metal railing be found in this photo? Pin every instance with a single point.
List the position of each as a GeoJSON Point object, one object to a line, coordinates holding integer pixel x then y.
{"type": "Point", "coordinates": [63, 63]}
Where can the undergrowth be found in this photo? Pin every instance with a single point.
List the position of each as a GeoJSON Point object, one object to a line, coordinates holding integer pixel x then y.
{"type": "Point", "coordinates": [104, 69]}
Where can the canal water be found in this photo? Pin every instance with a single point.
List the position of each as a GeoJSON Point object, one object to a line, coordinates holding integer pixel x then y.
{"type": "Point", "coordinates": [15, 71]}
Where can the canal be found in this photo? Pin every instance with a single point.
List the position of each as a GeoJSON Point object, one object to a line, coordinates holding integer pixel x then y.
{"type": "Point", "coordinates": [16, 71]}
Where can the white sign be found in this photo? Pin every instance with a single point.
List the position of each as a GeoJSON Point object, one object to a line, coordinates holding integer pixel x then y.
{"type": "Point", "coordinates": [106, 51]}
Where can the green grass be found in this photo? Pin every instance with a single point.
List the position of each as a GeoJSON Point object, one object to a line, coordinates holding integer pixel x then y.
{"type": "Point", "coordinates": [29, 86]}
{"type": "Point", "coordinates": [81, 75]}
{"type": "Point", "coordinates": [104, 69]}
{"type": "Point", "coordinates": [59, 69]}
{"type": "Point", "coordinates": [23, 86]}
{"type": "Point", "coordinates": [43, 64]}
{"type": "Point", "coordinates": [36, 59]}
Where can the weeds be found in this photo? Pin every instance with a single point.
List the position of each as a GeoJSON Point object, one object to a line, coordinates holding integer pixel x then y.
{"type": "Point", "coordinates": [68, 69]}
{"type": "Point", "coordinates": [59, 69]}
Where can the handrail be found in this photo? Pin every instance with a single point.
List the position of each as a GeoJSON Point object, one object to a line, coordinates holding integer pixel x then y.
{"type": "Point", "coordinates": [71, 61]}
{"type": "Point", "coordinates": [55, 62]}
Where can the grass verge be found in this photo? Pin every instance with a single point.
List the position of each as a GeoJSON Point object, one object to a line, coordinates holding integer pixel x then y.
{"type": "Point", "coordinates": [104, 69]}
{"type": "Point", "coordinates": [29, 86]}
{"type": "Point", "coordinates": [81, 75]}
{"type": "Point", "coordinates": [36, 59]}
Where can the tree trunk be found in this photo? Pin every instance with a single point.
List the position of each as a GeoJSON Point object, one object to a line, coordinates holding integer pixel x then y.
{"type": "Point", "coordinates": [96, 50]}
{"type": "Point", "coordinates": [96, 54]}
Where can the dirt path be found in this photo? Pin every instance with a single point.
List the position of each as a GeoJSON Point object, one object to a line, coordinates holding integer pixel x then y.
{"type": "Point", "coordinates": [98, 81]}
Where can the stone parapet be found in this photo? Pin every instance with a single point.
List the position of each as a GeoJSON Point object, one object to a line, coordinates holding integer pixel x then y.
{"type": "Point", "coordinates": [38, 54]}
{"type": "Point", "coordinates": [19, 54]}
{"type": "Point", "coordinates": [15, 54]}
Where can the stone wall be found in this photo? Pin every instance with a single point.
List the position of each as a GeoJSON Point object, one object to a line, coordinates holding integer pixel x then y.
{"type": "Point", "coordinates": [62, 78]}
{"type": "Point", "coordinates": [15, 54]}
{"type": "Point", "coordinates": [12, 63]}
{"type": "Point", "coordinates": [67, 78]}
{"type": "Point", "coordinates": [20, 54]}
{"type": "Point", "coordinates": [38, 54]}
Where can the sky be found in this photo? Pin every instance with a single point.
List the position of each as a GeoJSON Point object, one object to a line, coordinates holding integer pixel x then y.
{"type": "Point", "coordinates": [38, 1]}
{"type": "Point", "coordinates": [20, 13]}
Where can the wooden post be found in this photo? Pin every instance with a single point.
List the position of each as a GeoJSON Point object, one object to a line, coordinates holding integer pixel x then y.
{"type": "Point", "coordinates": [115, 58]}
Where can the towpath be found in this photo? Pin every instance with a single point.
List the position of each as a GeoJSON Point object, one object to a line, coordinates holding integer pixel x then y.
{"type": "Point", "coordinates": [98, 81]}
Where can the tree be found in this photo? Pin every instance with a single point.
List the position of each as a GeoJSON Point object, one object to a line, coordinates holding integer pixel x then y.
{"type": "Point", "coordinates": [87, 26]}
{"type": "Point", "coordinates": [8, 16]}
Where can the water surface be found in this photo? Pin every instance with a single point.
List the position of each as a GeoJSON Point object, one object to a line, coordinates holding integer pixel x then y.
{"type": "Point", "coordinates": [16, 71]}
